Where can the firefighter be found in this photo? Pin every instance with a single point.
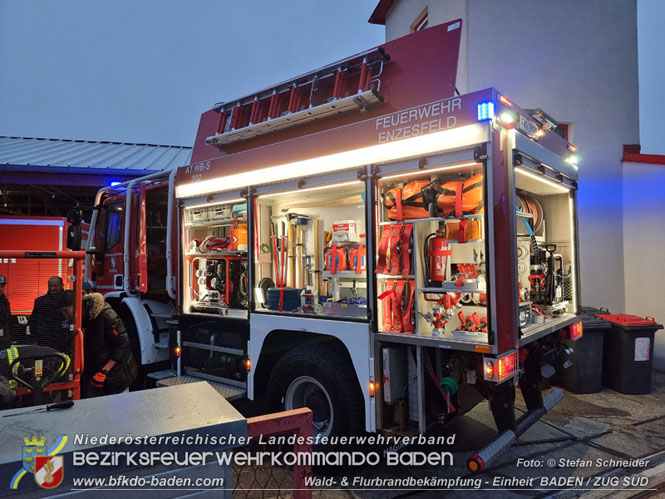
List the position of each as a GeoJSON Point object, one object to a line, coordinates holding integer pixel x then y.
{"type": "Point", "coordinates": [8, 323]}
{"type": "Point", "coordinates": [46, 323]}
{"type": "Point", "coordinates": [110, 366]}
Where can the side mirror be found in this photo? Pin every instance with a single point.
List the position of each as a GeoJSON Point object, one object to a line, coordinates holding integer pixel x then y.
{"type": "Point", "coordinates": [74, 217]}
{"type": "Point", "coordinates": [74, 237]}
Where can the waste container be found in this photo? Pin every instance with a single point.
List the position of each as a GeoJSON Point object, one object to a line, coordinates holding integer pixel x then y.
{"type": "Point", "coordinates": [581, 361]}
{"type": "Point", "coordinates": [628, 353]}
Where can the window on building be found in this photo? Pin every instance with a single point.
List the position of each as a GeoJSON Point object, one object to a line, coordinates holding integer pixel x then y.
{"type": "Point", "coordinates": [565, 131]}
{"type": "Point", "coordinates": [421, 21]}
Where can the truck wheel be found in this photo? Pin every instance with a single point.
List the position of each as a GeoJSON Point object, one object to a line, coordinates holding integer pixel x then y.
{"type": "Point", "coordinates": [321, 377]}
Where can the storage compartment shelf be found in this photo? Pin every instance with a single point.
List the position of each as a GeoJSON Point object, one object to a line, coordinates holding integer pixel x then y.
{"type": "Point", "coordinates": [435, 219]}
{"type": "Point", "coordinates": [346, 274]}
{"type": "Point", "coordinates": [429, 341]}
{"type": "Point", "coordinates": [535, 331]}
{"type": "Point", "coordinates": [235, 313]}
{"type": "Point", "coordinates": [219, 221]}
{"type": "Point", "coordinates": [219, 253]}
{"type": "Point", "coordinates": [398, 276]}
{"type": "Point", "coordinates": [524, 215]}
{"type": "Point", "coordinates": [450, 287]}
{"type": "Point", "coordinates": [449, 241]}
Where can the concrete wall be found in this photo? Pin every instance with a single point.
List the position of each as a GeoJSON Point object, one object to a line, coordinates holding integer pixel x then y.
{"type": "Point", "coordinates": [644, 246]}
{"type": "Point", "coordinates": [578, 61]}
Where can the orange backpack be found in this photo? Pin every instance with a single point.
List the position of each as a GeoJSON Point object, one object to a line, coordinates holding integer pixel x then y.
{"type": "Point", "coordinates": [408, 202]}
{"type": "Point", "coordinates": [457, 198]}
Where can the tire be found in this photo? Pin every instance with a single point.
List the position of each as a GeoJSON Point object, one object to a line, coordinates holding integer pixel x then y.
{"type": "Point", "coordinates": [319, 376]}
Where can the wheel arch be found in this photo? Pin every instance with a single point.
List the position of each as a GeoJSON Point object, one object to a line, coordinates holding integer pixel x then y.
{"type": "Point", "coordinates": [132, 307]}
{"type": "Point", "coordinates": [273, 336]}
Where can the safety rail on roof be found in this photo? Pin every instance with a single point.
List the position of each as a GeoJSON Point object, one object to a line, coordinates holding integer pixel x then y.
{"type": "Point", "coordinates": [351, 84]}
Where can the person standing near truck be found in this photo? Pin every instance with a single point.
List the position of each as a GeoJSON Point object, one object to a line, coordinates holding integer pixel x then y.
{"type": "Point", "coordinates": [47, 327]}
{"type": "Point", "coordinates": [110, 366]}
{"type": "Point", "coordinates": [7, 321]}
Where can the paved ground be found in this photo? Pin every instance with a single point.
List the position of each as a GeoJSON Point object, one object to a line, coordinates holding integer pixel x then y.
{"type": "Point", "coordinates": [582, 429]}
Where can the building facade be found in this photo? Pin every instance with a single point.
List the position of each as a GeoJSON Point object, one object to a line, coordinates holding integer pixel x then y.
{"type": "Point", "coordinates": [578, 62]}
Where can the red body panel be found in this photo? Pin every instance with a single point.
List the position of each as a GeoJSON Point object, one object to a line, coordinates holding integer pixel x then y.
{"type": "Point", "coordinates": [28, 279]}
{"type": "Point", "coordinates": [503, 193]}
{"type": "Point", "coordinates": [419, 72]}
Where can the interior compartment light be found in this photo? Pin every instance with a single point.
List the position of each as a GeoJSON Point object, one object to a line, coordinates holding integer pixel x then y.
{"type": "Point", "coordinates": [217, 203]}
{"type": "Point", "coordinates": [571, 208]}
{"type": "Point", "coordinates": [309, 189]}
{"type": "Point", "coordinates": [406, 148]}
{"type": "Point", "coordinates": [432, 170]}
{"type": "Point", "coordinates": [485, 111]}
{"type": "Point", "coordinates": [541, 178]}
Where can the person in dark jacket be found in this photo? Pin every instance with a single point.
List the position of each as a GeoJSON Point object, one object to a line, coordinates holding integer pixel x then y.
{"type": "Point", "coordinates": [48, 327]}
{"type": "Point", "coordinates": [8, 322]}
{"type": "Point", "coordinates": [109, 366]}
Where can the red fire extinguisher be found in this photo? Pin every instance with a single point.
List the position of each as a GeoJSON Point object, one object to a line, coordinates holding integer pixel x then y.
{"type": "Point", "coordinates": [436, 256]}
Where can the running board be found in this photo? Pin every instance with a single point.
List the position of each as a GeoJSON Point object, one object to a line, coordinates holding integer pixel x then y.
{"type": "Point", "coordinates": [162, 344]}
{"type": "Point", "coordinates": [227, 391]}
{"type": "Point", "coordinates": [484, 457]}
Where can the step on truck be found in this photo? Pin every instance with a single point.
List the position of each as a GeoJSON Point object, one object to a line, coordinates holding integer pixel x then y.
{"type": "Point", "coordinates": [360, 240]}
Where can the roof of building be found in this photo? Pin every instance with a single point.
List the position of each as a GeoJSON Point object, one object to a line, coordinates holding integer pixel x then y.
{"type": "Point", "coordinates": [380, 12]}
{"type": "Point", "coordinates": [91, 154]}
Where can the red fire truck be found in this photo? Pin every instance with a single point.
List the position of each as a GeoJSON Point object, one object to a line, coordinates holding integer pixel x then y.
{"type": "Point", "coordinates": [27, 279]}
{"type": "Point", "coordinates": [359, 240]}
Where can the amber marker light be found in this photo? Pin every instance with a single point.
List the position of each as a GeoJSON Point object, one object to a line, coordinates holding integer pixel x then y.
{"type": "Point", "coordinates": [489, 370]}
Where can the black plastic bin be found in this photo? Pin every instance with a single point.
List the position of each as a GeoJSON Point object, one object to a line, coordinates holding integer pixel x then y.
{"type": "Point", "coordinates": [628, 353]}
{"type": "Point", "coordinates": [584, 373]}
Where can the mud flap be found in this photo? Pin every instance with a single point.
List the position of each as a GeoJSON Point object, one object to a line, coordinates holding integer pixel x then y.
{"type": "Point", "coordinates": [530, 380]}
{"type": "Point", "coordinates": [502, 404]}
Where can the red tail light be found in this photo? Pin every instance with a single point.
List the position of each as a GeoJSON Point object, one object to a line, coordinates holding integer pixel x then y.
{"type": "Point", "coordinates": [575, 331]}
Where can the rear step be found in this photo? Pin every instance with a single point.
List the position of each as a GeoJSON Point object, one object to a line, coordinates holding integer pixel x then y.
{"type": "Point", "coordinates": [229, 392]}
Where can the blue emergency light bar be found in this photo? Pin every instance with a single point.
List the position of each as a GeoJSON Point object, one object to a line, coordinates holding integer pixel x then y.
{"type": "Point", "coordinates": [485, 111]}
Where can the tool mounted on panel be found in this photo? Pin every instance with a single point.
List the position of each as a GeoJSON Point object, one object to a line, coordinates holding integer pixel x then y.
{"type": "Point", "coordinates": [65, 404]}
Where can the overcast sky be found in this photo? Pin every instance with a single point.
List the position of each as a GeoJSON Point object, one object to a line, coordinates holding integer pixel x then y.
{"type": "Point", "coordinates": [144, 70]}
